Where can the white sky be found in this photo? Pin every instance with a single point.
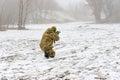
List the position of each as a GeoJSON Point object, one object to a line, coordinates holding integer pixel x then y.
{"type": "Point", "coordinates": [64, 3]}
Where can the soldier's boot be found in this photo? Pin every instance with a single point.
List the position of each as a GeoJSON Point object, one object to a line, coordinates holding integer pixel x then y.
{"type": "Point", "coordinates": [47, 54]}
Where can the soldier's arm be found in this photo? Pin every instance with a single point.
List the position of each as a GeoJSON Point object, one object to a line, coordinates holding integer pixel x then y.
{"type": "Point", "coordinates": [55, 36]}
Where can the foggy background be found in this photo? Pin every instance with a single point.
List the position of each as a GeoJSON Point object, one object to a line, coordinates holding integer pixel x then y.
{"type": "Point", "coordinates": [21, 12]}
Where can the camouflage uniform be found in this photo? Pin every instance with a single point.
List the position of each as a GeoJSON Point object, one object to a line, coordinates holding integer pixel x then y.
{"type": "Point", "coordinates": [49, 37]}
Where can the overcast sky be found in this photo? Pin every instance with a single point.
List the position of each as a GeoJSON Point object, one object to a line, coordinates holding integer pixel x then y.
{"type": "Point", "coordinates": [64, 3]}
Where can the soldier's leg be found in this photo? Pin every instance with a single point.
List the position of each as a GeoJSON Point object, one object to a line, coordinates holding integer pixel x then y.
{"type": "Point", "coordinates": [49, 52]}
{"type": "Point", "coordinates": [52, 53]}
{"type": "Point", "coordinates": [46, 51]}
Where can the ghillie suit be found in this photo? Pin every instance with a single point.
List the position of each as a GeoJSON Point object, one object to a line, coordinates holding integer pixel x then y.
{"type": "Point", "coordinates": [48, 39]}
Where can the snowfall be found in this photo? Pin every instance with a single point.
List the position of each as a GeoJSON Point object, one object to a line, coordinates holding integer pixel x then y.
{"type": "Point", "coordinates": [85, 51]}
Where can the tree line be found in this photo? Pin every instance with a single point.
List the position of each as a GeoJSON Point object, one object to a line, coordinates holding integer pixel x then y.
{"type": "Point", "coordinates": [105, 11]}
{"type": "Point", "coordinates": [21, 12]}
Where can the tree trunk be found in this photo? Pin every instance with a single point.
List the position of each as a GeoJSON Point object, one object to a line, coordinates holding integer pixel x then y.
{"type": "Point", "coordinates": [20, 23]}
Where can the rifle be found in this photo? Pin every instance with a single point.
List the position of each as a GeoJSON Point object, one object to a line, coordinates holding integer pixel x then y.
{"type": "Point", "coordinates": [57, 32]}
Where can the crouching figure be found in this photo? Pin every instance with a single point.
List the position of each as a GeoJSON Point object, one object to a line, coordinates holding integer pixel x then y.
{"type": "Point", "coordinates": [49, 37]}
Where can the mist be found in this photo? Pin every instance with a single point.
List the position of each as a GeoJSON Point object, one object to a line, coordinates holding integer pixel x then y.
{"type": "Point", "coordinates": [22, 12]}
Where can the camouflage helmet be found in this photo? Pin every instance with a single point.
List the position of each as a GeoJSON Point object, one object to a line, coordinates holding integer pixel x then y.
{"type": "Point", "coordinates": [53, 28]}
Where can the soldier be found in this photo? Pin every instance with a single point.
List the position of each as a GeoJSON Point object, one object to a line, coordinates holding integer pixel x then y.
{"type": "Point", "coordinates": [49, 37]}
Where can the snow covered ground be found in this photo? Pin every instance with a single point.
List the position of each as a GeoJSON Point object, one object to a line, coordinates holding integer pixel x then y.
{"type": "Point", "coordinates": [84, 52]}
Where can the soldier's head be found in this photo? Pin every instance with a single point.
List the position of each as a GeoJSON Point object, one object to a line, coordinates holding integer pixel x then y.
{"type": "Point", "coordinates": [53, 28]}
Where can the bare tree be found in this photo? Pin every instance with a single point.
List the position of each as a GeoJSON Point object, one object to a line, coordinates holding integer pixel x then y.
{"type": "Point", "coordinates": [106, 7]}
{"type": "Point", "coordinates": [43, 10]}
{"type": "Point", "coordinates": [1, 13]}
{"type": "Point", "coordinates": [24, 7]}
{"type": "Point", "coordinates": [96, 6]}
{"type": "Point", "coordinates": [8, 13]}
